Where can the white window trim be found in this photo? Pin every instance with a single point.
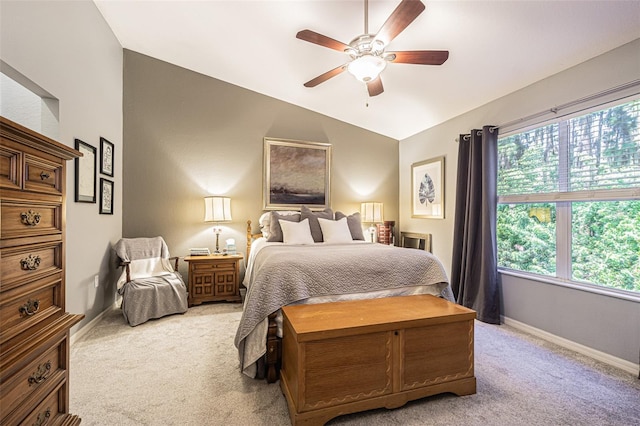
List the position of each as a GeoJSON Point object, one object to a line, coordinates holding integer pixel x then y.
{"type": "Point", "coordinates": [577, 285]}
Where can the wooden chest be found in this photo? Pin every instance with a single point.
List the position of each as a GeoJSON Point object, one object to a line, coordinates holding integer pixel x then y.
{"type": "Point", "coordinates": [345, 357]}
{"type": "Point", "coordinates": [34, 327]}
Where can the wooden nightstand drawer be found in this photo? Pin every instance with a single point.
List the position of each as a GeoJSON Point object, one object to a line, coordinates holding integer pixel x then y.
{"type": "Point", "coordinates": [218, 266]}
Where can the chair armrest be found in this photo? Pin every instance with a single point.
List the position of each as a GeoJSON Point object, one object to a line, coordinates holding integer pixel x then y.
{"type": "Point", "coordinates": [125, 265]}
{"type": "Point", "coordinates": [175, 260]}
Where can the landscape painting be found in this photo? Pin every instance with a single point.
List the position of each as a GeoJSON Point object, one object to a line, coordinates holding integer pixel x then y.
{"type": "Point", "coordinates": [296, 173]}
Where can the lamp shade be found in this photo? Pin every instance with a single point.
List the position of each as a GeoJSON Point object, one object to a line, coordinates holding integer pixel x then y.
{"type": "Point", "coordinates": [371, 212]}
{"type": "Point", "coordinates": [217, 209]}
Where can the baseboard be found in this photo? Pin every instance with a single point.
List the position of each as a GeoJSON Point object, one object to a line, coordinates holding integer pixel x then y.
{"type": "Point", "coordinates": [620, 363]}
{"type": "Point", "coordinates": [88, 326]}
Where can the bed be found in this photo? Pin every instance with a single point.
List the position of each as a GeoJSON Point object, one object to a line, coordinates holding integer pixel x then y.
{"type": "Point", "coordinates": [284, 268]}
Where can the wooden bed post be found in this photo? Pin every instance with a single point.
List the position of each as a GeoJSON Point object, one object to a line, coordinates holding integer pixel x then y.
{"type": "Point", "coordinates": [249, 238]}
{"type": "Point", "coordinates": [270, 363]}
{"type": "Point", "coordinates": [273, 355]}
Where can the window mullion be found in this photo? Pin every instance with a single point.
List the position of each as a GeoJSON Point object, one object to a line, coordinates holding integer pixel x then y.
{"type": "Point", "coordinates": [563, 209]}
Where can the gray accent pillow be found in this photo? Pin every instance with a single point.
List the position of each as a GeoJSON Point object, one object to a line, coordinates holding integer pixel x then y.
{"type": "Point", "coordinates": [275, 230]}
{"type": "Point", "coordinates": [354, 223]}
{"type": "Point", "coordinates": [316, 231]}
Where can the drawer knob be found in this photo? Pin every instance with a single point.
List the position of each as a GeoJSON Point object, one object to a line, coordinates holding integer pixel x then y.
{"type": "Point", "coordinates": [43, 418]}
{"type": "Point", "coordinates": [44, 176]}
{"type": "Point", "coordinates": [30, 308]}
{"type": "Point", "coordinates": [41, 374]}
{"type": "Point", "coordinates": [30, 263]}
{"type": "Point", "coordinates": [30, 218]}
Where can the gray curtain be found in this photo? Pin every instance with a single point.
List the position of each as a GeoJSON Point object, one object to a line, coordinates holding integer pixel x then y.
{"type": "Point", "coordinates": [474, 271]}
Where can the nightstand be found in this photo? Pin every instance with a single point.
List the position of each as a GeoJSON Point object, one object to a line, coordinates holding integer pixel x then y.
{"type": "Point", "coordinates": [214, 278]}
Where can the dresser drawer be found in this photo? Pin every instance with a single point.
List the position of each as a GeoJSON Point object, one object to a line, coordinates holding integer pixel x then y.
{"type": "Point", "coordinates": [10, 168]}
{"type": "Point", "coordinates": [23, 307]}
{"type": "Point", "coordinates": [25, 219]}
{"type": "Point", "coordinates": [51, 410]}
{"type": "Point", "coordinates": [42, 176]}
{"type": "Point", "coordinates": [23, 264]}
{"type": "Point", "coordinates": [48, 368]}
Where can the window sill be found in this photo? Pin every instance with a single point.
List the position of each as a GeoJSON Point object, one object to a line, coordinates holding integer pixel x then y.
{"type": "Point", "coordinates": [590, 288]}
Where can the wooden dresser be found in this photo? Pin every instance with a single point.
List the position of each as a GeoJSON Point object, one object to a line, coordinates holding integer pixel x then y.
{"type": "Point", "coordinates": [34, 325]}
{"type": "Point", "coordinates": [345, 357]}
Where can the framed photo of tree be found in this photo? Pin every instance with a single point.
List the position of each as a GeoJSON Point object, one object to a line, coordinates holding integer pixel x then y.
{"type": "Point", "coordinates": [427, 189]}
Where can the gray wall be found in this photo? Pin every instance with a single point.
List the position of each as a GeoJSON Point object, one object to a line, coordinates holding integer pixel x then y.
{"type": "Point", "coordinates": [188, 136]}
{"type": "Point", "coordinates": [603, 323]}
{"type": "Point", "coordinates": [66, 48]}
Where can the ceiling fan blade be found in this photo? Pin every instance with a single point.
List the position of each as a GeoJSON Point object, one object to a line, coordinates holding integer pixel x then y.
{"type": "Point", "coordinates": [313, 37]}
{"type": "Point", "coordinates": [375, 87]}
{"type": "Point", "coordinates": [326, 76]}
{"type": "Point", "coordinates": [405, 13]}
{"type": "Point", "coordinates": [420, 57]}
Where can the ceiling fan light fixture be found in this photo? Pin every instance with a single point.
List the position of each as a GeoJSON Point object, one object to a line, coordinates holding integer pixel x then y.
{"type": "Point", "coordinates": [367, 67]}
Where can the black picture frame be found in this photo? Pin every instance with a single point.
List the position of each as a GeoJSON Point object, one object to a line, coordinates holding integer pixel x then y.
{"type": "Point", "coordinates": [107, 154]}
{"type": "Point", "coordinates": [106, 196]}
{"type": "Point", "coordinates": [85, 173]}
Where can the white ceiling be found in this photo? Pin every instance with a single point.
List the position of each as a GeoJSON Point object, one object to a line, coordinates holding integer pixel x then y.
{"type": "Point", "coordinates": [496, 47]}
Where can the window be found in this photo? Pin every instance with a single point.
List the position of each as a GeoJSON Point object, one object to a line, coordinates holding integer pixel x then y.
{"type": "Point", "coordinates": [569, 199]}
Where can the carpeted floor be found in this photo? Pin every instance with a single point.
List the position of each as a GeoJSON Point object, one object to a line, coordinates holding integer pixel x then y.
{"type": "Point", "coordinates": [183, 370]}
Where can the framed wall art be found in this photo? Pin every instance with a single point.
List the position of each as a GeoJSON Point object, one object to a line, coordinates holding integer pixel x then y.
{"type": "Point", "coordinates": [106, 196]}
{"type": "Point", "coordinates": [85, 173]}
{"type": "Point", "coordinates": [106, 157]}
{"type": "Point", "coordinates": [296, 173]}
{"type": "Point", "coordinates": [427, 189]}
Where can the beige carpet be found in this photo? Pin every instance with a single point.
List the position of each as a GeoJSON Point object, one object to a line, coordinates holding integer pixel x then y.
{"type": "Point", "coordinates": [183, 370]}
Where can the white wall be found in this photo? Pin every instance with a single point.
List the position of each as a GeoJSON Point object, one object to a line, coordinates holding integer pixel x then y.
{"type": "Point", "coordinates": [567, 313]}
{"type": "Point", "coordinates": [66, 48]}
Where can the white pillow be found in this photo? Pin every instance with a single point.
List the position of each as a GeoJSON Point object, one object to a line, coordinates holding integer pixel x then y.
{"type": "Point", "coordinates": [335, 231]}
{"type": "Point", "coordinates": [296, 232]}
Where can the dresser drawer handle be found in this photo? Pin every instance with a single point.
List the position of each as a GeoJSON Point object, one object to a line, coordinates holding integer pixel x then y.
{"type": "Point", "coordinates": [43, 418]}
{"type": "Point", "coordinates": [30, 308]}
{"type": "Point", "coordinates": [44, 176]}
{"type": "Point", "coordinates": [41, 374]}
{"type": "Point", "coordinates": [30, 218]}
{"type": "Point", "coordinates": [30, 263]}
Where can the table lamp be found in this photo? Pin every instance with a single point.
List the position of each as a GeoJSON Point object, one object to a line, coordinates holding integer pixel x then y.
{"type": "Point", "coordinates": [217, 209]}
{"type": "Point", "coordinates": [371, 212]}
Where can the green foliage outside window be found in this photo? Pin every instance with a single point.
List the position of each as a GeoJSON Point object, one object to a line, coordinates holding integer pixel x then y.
{"type": "Point", "coordinates": [524, 242]}
{"type": "Point", "coordinates": [606, 243]}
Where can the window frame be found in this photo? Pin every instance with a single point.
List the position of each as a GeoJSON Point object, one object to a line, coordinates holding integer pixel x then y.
{"type": "Point", "coordinates": [563, 201]}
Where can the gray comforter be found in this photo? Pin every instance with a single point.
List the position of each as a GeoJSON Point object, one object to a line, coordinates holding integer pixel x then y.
{"type": "Point", "coordinates": [287, 274]}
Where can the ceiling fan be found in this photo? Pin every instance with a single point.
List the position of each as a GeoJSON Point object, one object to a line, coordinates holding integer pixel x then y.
{"type": "Point", "coordinates": [367, 51]}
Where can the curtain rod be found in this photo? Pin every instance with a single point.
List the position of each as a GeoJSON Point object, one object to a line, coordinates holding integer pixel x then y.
{"type": "Point", "coordinates": [579, 101]}
{"type": "Point", "coordinates": [558, 108]}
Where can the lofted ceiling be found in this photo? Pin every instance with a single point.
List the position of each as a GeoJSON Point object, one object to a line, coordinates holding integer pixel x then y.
{"type": "Point", "coordinates": [496, 47]}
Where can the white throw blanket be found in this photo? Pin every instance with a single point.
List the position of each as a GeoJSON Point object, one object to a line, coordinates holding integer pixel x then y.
{"type": "Point", "coordinates": [147, 257]}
